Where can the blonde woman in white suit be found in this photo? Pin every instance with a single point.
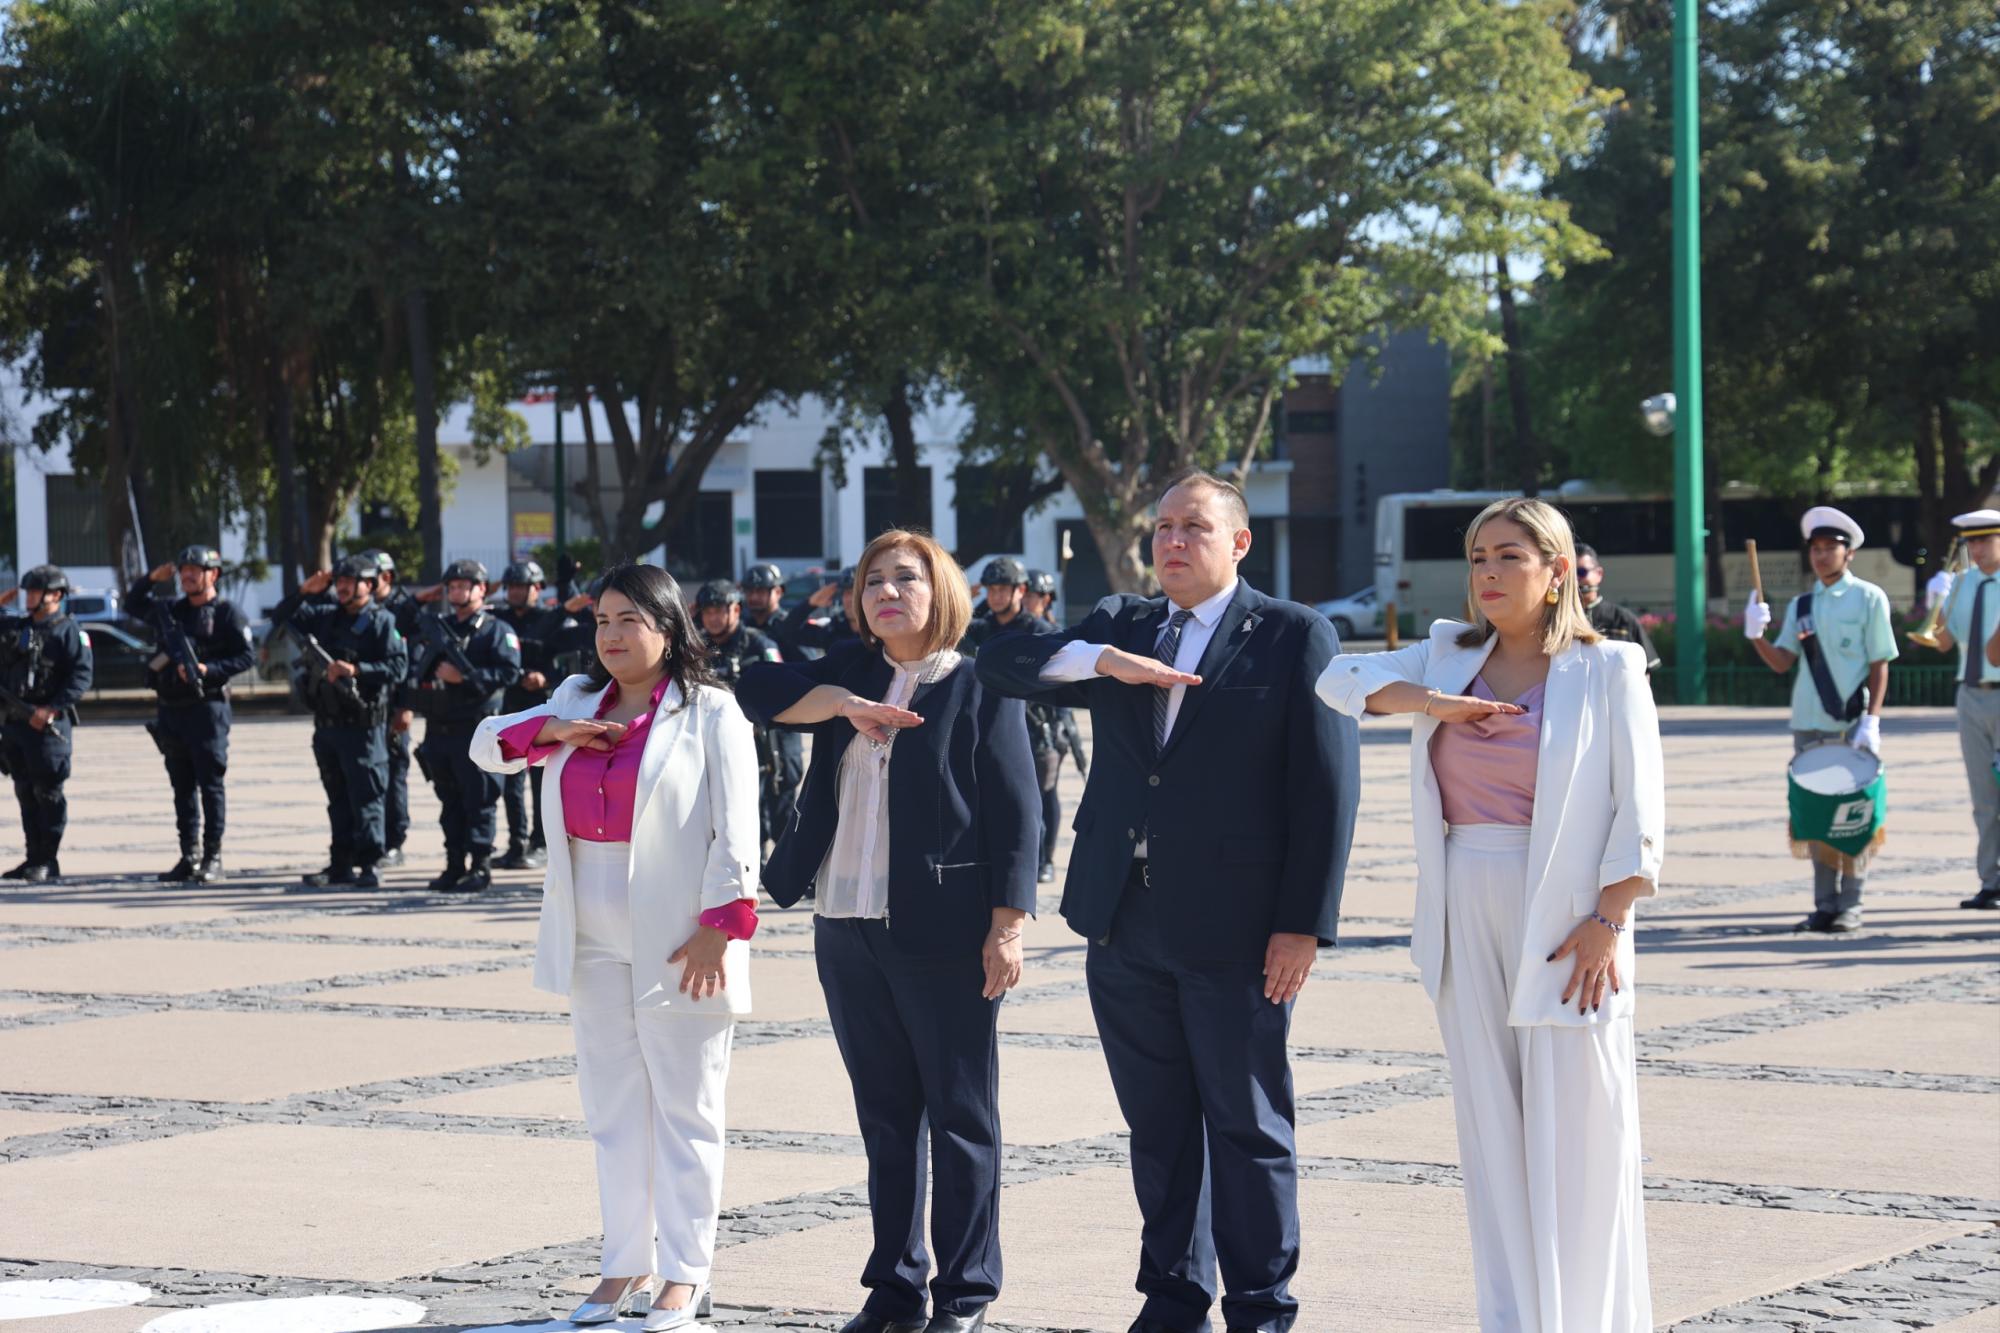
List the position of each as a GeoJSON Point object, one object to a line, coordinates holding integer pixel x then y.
{"type": "Point", "coordinates": [646, 918]}
{"type": "Point", "coordinates": [1539, 810]}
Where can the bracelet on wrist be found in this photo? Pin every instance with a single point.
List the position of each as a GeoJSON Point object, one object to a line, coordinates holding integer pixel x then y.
{"type": "Point", "coordinates": [1430, 699]}
{"type": "Point", "coordinates": [1604, 920]}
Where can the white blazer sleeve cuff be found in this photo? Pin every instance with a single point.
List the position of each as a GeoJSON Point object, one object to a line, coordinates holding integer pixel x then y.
{"type": "Point", "coordinates": [485, 748]}
{"type": "Point", "coordinates": [1349, 679]}
{"type": "Point", "coordinates": [735, 842]}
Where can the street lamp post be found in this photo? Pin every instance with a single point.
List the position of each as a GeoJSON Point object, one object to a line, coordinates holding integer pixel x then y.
{"type": "Point", "coordinates": [1690, 531]}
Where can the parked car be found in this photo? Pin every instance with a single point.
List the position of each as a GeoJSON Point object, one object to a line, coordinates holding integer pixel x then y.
{"type": "Point", "coordinates": [118, 656]}
{"type": "Point", "coordinates": [1355, 615]}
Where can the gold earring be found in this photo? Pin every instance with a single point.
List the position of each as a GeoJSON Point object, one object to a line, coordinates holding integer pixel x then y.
{"type": "Point", "coordinates": [1553, 596]}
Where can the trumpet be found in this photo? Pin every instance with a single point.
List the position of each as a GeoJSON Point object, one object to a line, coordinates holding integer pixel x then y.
{"type": "Point", "coordinates": [1955, 561]}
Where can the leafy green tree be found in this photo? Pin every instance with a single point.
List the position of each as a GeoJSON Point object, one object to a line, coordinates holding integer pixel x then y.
{"type": "Point", "coordinates": [1190, 196]}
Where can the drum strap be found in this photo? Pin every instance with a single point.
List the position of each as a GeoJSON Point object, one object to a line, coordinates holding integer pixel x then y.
{"type": "Point", "coordinates": [1829, 698]}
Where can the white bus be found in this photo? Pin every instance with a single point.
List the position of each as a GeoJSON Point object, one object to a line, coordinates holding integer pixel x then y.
{"type": "Point", "coordinates": [1420, 546]}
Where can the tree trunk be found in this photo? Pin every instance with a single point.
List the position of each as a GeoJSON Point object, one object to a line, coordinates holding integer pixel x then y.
{"type": "Point", "coordinates": [1118, 538]}
{"type": "Point", "coordinates": [282, 447]}
{"type": "Point", "coordinates": [912, 490]}
{"type": "Point", "coordinates": [591, 489]}
{"type": "Point", "coordinates": [1527, 451]}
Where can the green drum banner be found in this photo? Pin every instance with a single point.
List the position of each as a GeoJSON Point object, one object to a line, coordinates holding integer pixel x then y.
{"type": "Point", "coordinates": [1837, 797]}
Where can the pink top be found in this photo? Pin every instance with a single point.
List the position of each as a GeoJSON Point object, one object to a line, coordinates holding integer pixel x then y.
{"type": "Point", "coordinates": [1486, 769]}
{"type": "Point", "coordinates": [599, 788]}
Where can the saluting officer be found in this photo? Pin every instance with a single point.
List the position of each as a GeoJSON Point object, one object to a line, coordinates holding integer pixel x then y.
{"type": "Point", "coordinates": [540, 630]}
{"type": "Point", "coordinates": [1971, 616]}
{"type": "Point", "coordinates": [393, 597]}
{"type": "Point", "coordinates": [733, 645]}
{"type": "Point", "coordinates": [453, 701]}
{"type": "Point", "coordinates": [45, 665]}
{"type": "Point", "coordinates": [764, 609]}
{"type": "Point", "coordinates": [827, 623]}
{"type": "Point", "coordinates": [350, 697]}
{"type": "Point", "coordinates": [1841, 628]}
{"type": "Point", "coordinates": [192, 727]}
{"type": "Point", "coordinates": [1052, 731]}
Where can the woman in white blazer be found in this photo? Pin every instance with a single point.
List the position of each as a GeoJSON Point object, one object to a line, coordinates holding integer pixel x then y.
{"type": "Point", "coordinates": [1539, 810]}
{"type": "Point", "coordinates": [646, 917]}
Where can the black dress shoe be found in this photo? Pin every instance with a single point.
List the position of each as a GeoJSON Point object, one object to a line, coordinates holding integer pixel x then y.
{"type": "Point", "coordinates": [1986, 900]}
{"type": "Point", "coordinates": [182, 872]}
{"type": "Point", "coordinates": [18, 872]}
{"type": "Point", "coordinates": [476, 880]}
{"type": "Point", "coordinates": [875, 1323]}
{"type": "Point", "coordinates": [329, 877]}
{"type": "Point", "coordinates": [957, 1323]}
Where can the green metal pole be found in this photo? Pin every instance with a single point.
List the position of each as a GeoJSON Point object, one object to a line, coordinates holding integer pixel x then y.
{"type": "Point", "coordinates": [562, 491]}
{"type": "Point", "coordinates": [1690, 530]}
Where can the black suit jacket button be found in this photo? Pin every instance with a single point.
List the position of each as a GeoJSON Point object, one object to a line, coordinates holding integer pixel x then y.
{"type": "Point", "coordinates": [1133, 834]}
{"type": "Point", "coordinates": [1153, 781]}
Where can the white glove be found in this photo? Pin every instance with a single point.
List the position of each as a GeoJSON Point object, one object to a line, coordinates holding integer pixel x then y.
{"type": "Point", "coordinates": [1868, 735]}
{"type": "Point", "coordinates": [1756, 618]}
{"type": "Point", "coordinates": [1938, 588]}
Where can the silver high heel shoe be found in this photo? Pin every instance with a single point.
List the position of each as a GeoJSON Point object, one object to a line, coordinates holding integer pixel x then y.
{"type": "Point", "coordinates": [681, 1316]}
{"type": "Point", "coordinates": [637, 1298]}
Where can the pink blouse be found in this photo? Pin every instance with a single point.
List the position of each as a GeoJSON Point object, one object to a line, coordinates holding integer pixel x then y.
{"type": "Point", "coordinates": [1486, 769]}
{"type": "Point", "coordinates": [600, 787]}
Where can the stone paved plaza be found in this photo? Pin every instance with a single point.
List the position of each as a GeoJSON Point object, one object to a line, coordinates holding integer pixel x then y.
{"type": "Point", "coordinates": [258, 1093]}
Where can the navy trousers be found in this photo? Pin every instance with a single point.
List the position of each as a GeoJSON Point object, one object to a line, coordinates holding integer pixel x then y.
{"type": "Point", "coordinates": [354, 770]}
{"type": "Point", "coordinates": [922, 1050]}
{"type": "Point", "coordinates": [468, 794]}
{"type": "Point", "coordinates": [523, 799]}
{"type": "Point", "coordinates": [1197, 1056]}
{"type": "Point", "coordinates": [194, 740]}
{"type": "Point", "coordinates": [38, 761]}
{"type": "Point", "coordinates": [396, 805]}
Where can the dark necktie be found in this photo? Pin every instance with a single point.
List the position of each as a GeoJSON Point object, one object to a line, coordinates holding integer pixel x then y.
{"type": "Point", "coordinates": [1975, 642]}
{"type": "Point", "coordinates": [1170, 647]}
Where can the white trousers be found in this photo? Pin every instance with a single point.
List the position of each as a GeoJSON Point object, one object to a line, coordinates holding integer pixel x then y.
{"type": "Point", "coordinates": [1548, 1120]}
{"type": "Point", "coordinates": [652, 1082]}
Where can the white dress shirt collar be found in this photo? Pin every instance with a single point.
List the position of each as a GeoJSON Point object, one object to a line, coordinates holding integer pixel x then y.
{"type": "Point", "coordinates": [1209, 610]}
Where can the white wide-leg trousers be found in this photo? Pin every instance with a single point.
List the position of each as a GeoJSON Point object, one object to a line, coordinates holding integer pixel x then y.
{"type": "Point", "coordinates": [652, 1084]}
{"type": "Point", "coordinates": [1548, 1120]}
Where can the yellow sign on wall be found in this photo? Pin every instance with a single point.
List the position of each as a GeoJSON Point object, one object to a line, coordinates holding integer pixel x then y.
{"type": "Point", "coordinates": [533, 528]}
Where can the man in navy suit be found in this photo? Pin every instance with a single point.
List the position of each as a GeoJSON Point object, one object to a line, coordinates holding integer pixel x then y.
{"type": "Point", "coordinates": [1206, 874]}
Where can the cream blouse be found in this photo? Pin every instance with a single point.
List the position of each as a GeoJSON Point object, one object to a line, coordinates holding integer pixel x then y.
{"type": "Point", "coordinates": [853, 881]}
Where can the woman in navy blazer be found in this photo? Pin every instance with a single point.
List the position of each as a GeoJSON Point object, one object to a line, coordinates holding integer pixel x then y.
{"type": "Point", "coordinates": [917, 833]}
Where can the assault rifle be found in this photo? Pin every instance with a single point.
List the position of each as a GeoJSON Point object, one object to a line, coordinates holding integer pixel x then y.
{"type": "Point", "coordinates": [175, 644]}
{"type": "Point", "coordinates": [318, 659]}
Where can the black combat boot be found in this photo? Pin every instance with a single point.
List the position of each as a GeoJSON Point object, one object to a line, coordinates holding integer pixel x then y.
{"type": "Point", "coordinates": [538, 856]}
{"type": "Point", "coordinates": [329, 877]}
{"type": "Point", "coordinates": [42, 872]}
{"type": "Point", "coordinates": [366, 878]}
{"type": "Point", "coordinates": [454, 870]}
{"type": "Point", "coordinates": [477, 879]}
{"type": "Point", "coordinates": [18, 872]}
{"type": "Point", "coordinates": [515, 859]}
{"type": "Point", "coordinates": [210, 869]}
{"type": "Point", "coordinates": [183, 869]}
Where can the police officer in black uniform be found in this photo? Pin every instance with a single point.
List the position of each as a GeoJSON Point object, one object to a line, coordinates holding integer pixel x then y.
{"type": "Point", "coordinates": [45, 664]}
{"type": "Point", "coordinates": [192, 727]}
{"type": "Point", "coordinates": [732, 645]}
{"type": "Point", "coordinates": [764, 609]}
{"type": "Point", "coordinates": [825, 623]}
{"type": "Point", "coordinates": [453, 700]}
{"type": "Point", "coordinates": [1606, 616]}
{"type": "Point", "coordinates": [393, 597]}
{"type": "Point", "coordinates": [541, 630]}
{"type": "Point", "coordinates": [350, 695]}
{"type": "Point", "coordinates": [1008, 587]}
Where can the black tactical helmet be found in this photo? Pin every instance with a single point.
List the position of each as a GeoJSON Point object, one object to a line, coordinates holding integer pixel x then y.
{"type": "Point", "coordinates": [465, 569]}
{"type": "Point", "coordinates": [847, 578]}
{"type": "Point", "coordinates": [1005, 570]}
{"type": "Point", "coordinates": [718, 592]}
{"type": "Point", "coordinates": [362, 568]}
{"type": "Point", "coordinates": [523, 571]}
{"type": "Point", "coordinates": [201, 557]}
{"type": "Point", "coordinates": [384, 562]}
{"type": "Point", "coordinates": [1042, 582]}
{"type": "Point", "coordinates": [46, 578]}
{"type": "Point", "coordinates": [763, 576]}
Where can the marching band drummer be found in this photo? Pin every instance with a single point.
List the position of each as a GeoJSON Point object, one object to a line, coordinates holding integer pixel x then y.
{"type": "Point", "coordinates": [1971, 619]}
{"type": "Point", "coordinates": [1841, 628]}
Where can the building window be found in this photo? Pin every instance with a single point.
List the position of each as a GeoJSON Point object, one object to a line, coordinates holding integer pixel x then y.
{"type": "Point", "coordinates": [76, 521]}
{"type": "Point", "coordinates": [880, 509]}
{"type": "Point", "coordinates": [789, 521]}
